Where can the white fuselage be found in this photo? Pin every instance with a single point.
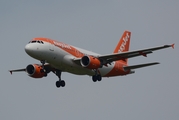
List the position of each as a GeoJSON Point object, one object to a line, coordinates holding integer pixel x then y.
{"type": "Point", "coordinates": [62, 60]}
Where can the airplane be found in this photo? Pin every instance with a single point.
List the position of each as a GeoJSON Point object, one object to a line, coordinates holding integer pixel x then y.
{"type": "Point", "coordinates": [58, 57]}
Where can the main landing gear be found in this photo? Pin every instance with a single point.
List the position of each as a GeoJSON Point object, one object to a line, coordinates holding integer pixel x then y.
{"type": "Point", "coordinates": [96, 77]}
{"type": "Point", "coordinates": [59, 83]}
{"type": "Point", "coordinates": [45, 69]}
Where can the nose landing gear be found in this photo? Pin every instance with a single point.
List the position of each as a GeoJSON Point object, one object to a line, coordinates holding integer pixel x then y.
{"type": "Point", "coordinates": [43, 70]}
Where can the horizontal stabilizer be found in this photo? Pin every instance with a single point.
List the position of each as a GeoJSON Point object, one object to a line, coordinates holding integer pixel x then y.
{"type": "Point", "coordinates": [139, 66]}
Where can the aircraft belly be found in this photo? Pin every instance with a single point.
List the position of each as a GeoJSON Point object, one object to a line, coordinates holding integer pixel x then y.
{"type": "Point", "coordinates": [61, 60]}
{"type": "Point", "coordinates": [73, 69]}
{"type": "Point", "coordinates": [105, 69]}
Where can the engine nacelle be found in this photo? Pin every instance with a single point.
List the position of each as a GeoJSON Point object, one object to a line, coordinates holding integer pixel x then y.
{"type": "Point", "coordinates": [90, 62]}
{"type": "Point", "coordinates": [35, 71]}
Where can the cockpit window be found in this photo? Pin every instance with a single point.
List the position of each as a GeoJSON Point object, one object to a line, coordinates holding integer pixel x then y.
{"type": "Point", "coordinates": [33, 41]}
{"type": "Point", "coordinates": [37, 41]}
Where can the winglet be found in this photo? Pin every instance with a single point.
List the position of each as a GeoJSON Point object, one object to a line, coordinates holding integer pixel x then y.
{"type": "Point", "coordinates": [10, 72]}
{"type": "Point", "coordinates": [173, 45]}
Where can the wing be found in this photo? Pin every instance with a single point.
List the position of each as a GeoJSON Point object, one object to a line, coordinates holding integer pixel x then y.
{"type": "Point", "coordinates": [107, 59]}
{"type": "Point", "coordinates": [124, 55]}
{"type": "Point", "coordinates": [17, 70]}
{"type": "Point", "coordinates": [47, 67]}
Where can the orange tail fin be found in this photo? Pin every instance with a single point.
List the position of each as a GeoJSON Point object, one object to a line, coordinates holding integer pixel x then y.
{"type": "Point", "coordinates": [123, 44]}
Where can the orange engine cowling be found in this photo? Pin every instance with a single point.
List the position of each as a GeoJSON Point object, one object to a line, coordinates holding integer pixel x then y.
{"type": "Point", "coordinates": [90, 62]}
{"type": "Point", "coordinates": [35, 71]}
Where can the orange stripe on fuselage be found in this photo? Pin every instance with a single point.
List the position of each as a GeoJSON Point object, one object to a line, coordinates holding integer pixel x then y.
{"type": "Point", "coordinates": [117, 69]}
{"type": "Point", "coordinates": [68, 48]}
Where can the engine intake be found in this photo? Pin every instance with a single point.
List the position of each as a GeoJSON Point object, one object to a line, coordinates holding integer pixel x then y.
{"type": "Point", "coordinates": [90, 62]}
{"type": "Point", "coordinates": [35, 71]}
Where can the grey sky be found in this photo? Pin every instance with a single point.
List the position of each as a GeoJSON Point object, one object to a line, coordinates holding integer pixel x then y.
{"type": "Point", "coordinates": [151, 93]}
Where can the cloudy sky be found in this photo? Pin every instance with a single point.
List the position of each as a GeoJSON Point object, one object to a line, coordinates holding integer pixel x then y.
{"type": "Point", "coordinates": [151, 93]}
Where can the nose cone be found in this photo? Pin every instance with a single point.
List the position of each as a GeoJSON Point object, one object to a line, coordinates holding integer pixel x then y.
{"type": "Point", "coordinates": [28, 49]}
{"type": "Point", "coordinates": [33, 50]}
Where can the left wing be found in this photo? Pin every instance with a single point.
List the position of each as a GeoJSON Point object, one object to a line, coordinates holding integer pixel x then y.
{"type": "Point", "coordinates": [17, 70]}
{"type": "Point", "coordinates": [47, 68]}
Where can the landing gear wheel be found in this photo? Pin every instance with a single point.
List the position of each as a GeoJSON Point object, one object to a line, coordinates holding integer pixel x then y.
{"type": "Point", "coordinates": [94, 78]}
{"type": "Point", "coordinates": [99, 77]}
{"type": "Point", "coordinates": [58, 84]}
{"type": "Point", "coordinates": [62, 83]}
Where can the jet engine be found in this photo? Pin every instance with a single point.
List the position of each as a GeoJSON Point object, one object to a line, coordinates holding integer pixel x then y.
{"type": "Point", "coordinates": [90, 62]}
{"type": "Point", "coordinates": [35, 71]}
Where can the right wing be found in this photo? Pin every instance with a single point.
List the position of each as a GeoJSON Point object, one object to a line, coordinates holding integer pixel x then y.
{"type": "Point", "coordinates": [107, 59]}
{"type": "Point", "coordinates": [124, 55]}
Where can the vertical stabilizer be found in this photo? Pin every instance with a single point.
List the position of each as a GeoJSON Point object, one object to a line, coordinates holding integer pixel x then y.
{"type": "Point", "coordinates": [123, 44]}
